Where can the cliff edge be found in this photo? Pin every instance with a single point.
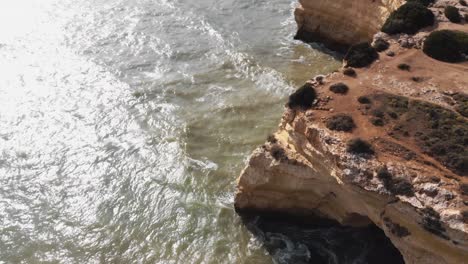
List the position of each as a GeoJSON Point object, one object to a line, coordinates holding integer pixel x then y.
{"type": "Point", "coordinates": [342, 21]}
{"type": "Point", "coordinates": [386, 144]}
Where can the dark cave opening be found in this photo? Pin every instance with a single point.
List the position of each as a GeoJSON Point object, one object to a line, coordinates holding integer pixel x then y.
{"type": "Point", "coordinates": [292, 239]}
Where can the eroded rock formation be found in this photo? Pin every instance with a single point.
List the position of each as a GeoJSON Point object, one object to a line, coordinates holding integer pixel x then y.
{"type": "Point", "coordinates": [412, 178]}
{"type": "Point", "coordinates": [343, 21]}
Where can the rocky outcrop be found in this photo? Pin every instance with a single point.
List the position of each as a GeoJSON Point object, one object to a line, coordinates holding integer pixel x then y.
{"type": "Point", "coordinates": [342, 21]}
{"type": "Point", "coordinates": [408, 174]}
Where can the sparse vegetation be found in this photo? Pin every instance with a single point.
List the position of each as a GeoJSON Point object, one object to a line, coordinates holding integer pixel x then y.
{"type": "Point", "coordinates": [431, 222]}
{"type": "Point", "coordinates": [302, 98]}
{"type": "Point", "coordinates": [464, 188]}
{"type": "Point", "coordinates": [465, 216]}
{"type": "Point", "coordinates": [272, 139]}
{"type": "Point", "coordinates": [364, 100]}
{"type": "Point", "coordinates": [377, 121]}
{"type": "Point", "coordinates": [349, 72]}
{"type": "Point", "coordinates": [396, 186]}
{"type": "Point", "coordinates": [359, 146]}
{"type": "Point", "coordinates": [340, 122]}
{"type": "Point", "coordinates": [396, 229]}
{"type": "Point", "coordinates": [409, 18]}
{"type": "Point", "coordinates": [439, 132]}
{"type": "Point", "coordinates": [278, 153]}
{"type": "Point", "coordinates": [361, 55]}
{"type": "Point", "coordinates": [446, 45]}
{"type": "Point", "coordinates": [404, 67]}
{"type": "Point", "coordinates": [381, 45]}
{"type": "Point", "coordinates": [339, 88]}
{"type": "Point", "coordinates": [422, 2]}
{"type": "Point", "coordinates": [462, 103]}
{"type": "Point", "coordinates": [452, 14]}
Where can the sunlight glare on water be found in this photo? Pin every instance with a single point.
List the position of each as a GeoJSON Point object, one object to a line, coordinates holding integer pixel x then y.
{"type": "Point", "coordinates": [124, 124]}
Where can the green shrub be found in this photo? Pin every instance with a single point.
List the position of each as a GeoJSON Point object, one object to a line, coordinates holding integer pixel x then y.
{"type": "Point", "coordinates": [409, 19]}
{"type": "Point", "coordinates": [381, 45]}
{"type": "Point", "coordinates": [404, 67]}
{"type": "Point", "coordinates": [340, 122]}
{"type": "Point", "coordinates": [278, 153]}
{"type": "Point", "coordinates": [452, 14]}
{"type": "Point", "coordinates": [377, 121]}
{"type": "Point", "coordinates": [349, 72]}
{"type": "Point", "coordinates": [272, 139]}
{"type": "Point", "coordinates": [422, 2]}
{"type": "Point", "coordinates": [446, 45]}
{"type": "Point", "coordinates": [462, 104]}
{"type": "Point", "coordinates": [339, 88]}
{"type": "Point", "coordinates": [359, 146]}
{"type": "Point", "coordinates": [462, 39]}
{"type": "Point", "coordinates": [364, 100]}
{"type": "Point", "coordinates": [361, 55]}
{"type": "Point", "coordinates": [302, 98]}
{"type": "Point", "coordinates": [396, 186]}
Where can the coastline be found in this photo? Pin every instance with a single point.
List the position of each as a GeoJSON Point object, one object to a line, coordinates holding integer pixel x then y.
{"type": "Point", "coordinates": [304, 167]}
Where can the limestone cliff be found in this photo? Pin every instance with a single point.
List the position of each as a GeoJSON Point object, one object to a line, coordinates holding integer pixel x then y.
{"type": "Point", "coordinates": [343, 21]}
{"type": "Point", "coordinates": [411, 180]}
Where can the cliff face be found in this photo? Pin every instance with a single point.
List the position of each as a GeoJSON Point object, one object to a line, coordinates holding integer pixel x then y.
{"type": "Point", "coordinates": [343, 21]}
{"type": "Point", "coordinates": [413, 183]}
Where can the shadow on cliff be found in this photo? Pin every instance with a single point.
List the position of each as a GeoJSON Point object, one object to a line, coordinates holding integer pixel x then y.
{"type": "Point", "coordinates": [320, 42]}
{"type": "Point", "coordinates": [296, 240]}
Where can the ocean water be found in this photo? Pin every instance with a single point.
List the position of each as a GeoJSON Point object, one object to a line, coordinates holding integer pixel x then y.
{"type": "Point", "coordinates": [124, 124]}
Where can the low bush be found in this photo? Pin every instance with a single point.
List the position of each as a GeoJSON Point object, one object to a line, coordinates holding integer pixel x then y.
{"type": "Point", "coordinates": [339, 88]}
{"type": "Point", "coordinates": [464, 188]}
{"type": "Point", "coordinates": [377, 121]}
{"type": "Point", "coordinates": [359, 146]}
{"type": "Point", "coordinates": [340, 122]}
{"type": "Point", "coordinates": [422, 2]}
{"type": "Point", "coordinates": [404, 67]}
{"type": "Point", "coordinates": [360, 55]}
{"type": "Point", "coordinates": [349, 72]}
{"type": "Point", "coordinates": [396, 186]}
{"type": "Point", "coordinates": [446, 45]}
{"type": "Point", "coordinates": [452, 14]}
{"type": "Point", "coordinates": [431, 222]}
{"type": "Point", "coordinates": [302, 98]}
{"type": "Point", "coordinates": [381, 45]}
{"type": "Point", "coordinates": [408, 18]}
{"type": "Point", "coordinates": [364, 100]}
{"type": "Point", "coordinates": [278, 153]}
{"type": "Point", "coordinates": [272, 139]}
{"type": "Point", "coordinates": [462, 104]}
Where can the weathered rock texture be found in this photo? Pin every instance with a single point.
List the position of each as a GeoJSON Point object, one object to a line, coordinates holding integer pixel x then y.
{"type": "Point", "coordinates": [411, 187]}
{"type": "Point", "coordinates": [344, 21]}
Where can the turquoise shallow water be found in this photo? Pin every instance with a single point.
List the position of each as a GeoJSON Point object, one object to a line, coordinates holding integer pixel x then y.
{"type": "Point", "coordinates": [124, 124]}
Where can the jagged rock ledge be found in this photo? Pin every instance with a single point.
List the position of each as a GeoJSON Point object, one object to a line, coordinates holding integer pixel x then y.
{"type": "Point", "coordinates": [408, 175]}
